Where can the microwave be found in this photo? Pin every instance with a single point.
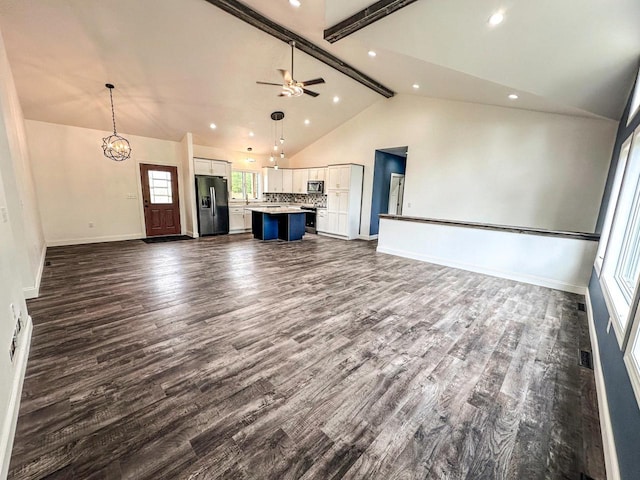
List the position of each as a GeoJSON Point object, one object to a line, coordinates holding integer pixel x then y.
{"type": "Point", "coordinates": [315, 186]}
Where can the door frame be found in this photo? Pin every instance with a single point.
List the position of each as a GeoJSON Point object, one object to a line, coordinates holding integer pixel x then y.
{"type": "Point", "coordinates": [138, 174]}
{"type": "Point", "coordinates": [400, 197]}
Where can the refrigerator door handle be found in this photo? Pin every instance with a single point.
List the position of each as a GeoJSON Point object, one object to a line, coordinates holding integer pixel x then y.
{"type": "Point", "coordinates": [213, 201]}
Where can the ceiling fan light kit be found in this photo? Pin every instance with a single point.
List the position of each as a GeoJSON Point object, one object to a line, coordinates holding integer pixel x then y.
{"type": "Point", "coordinates": [291, 87]}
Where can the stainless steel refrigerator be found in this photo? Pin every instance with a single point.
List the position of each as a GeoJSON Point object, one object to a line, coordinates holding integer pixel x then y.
{"type": "Point", "coordinates": [212, 199]}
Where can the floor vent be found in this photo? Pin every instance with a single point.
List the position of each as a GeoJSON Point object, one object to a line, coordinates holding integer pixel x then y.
{"type": "Point", "coordinates": [582, 307]}
{"type": "Point", "coordinates": [584, 476]}
{"type": "Point", "coordinates": [586, 361]}
{"type": "Point", "coordinates": [47, 263]}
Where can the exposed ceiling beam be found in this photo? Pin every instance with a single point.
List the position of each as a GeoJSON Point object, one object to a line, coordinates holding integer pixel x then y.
{"type": "Point", "coordinates": [363, 18]}
{"type": "Point", "coordinates": [247, 14]}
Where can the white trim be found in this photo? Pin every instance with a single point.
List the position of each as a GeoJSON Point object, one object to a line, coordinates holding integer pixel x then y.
{"type": "Point", "coordinates": [191, 234]}
{"type": "Point", "coordinates": [333, 235]}
{"type": "Point", "coordinates": [608, 441]}
{"type": "Point", "coordinates": [531, 279]}
{"type": "Point", "coordinates": [633, 369]}
{"type": "Point", "coordinates": [613, 312]}
{"type": "Point", "coordinates": [11, 418]}
{"type": "Point", "coordinates": [368, 237]}
{"type": "Point", "coordinates": [33, 292]}
{"type": "Point", "coordinates": [81, 241]}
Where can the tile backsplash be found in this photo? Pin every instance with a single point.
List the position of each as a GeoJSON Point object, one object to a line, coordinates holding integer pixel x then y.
{"type": "Point", "coordinates": [317, 199]}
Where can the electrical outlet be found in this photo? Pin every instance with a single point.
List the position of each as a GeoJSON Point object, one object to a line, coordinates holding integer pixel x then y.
{"type": "Point", "coordinates": [91, 224]}
{"type": "Point", "coordinates": [5, 214]}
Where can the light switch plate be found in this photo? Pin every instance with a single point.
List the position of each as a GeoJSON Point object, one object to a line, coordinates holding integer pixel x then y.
{"type": "Point", "coordinates": [5, 214]}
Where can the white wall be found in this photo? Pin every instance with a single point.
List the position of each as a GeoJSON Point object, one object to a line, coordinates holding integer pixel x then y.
{"type": "Point", "coordinates": [190, 221]}
{"type": "Point", "coordinates": [554, 262]}
{"type": "Point", "coordinates": [18, 184]}
{"type": "Point", "coordinates": [479, 163]}
{"type": "Point", "coordinates": [20, 251]}
{"type": "Point", "coordinates": [77, 185]}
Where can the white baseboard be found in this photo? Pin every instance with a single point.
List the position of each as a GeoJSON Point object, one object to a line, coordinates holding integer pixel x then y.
{"type": "Point", "coordinates": [11, 415]}
{"type": "Point", "coordinates": [82, 241]}
{"type": "Point", "coordinates": [540, 281]}
{"type": "Point", "coordinates": [33, 292]}
{"type": "Point", "coordinates": [191, 234]}
{"type": "Point", "coordinates": [368, 237]}
{"type": "Point", "coordinates": [608, 441]}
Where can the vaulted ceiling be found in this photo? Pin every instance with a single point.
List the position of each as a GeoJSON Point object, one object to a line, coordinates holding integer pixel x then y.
{"type": "Point", "coordinates": [179, 66]}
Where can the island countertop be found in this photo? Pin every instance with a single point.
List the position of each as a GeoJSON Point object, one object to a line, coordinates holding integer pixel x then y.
{"type": "Point", "coordinates": [275, 210]}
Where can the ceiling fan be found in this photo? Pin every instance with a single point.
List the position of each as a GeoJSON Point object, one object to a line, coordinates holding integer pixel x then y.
{"type": "Point", "coordinates": [290, 87]}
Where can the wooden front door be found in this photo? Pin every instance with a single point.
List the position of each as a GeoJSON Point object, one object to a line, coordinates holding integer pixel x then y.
{"type": "Point", "coordinates": [160, 197]}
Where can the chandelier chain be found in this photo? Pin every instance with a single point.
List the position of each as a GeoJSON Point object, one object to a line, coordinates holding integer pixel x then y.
{"type": "Point", "coordinates": [113, 112]}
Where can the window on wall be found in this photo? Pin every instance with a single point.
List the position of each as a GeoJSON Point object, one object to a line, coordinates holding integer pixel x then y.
{"type": "Point", "coordinates": [621, 265]}
{"type": "Point", "coordinates": [244, 185]}
{"type": "Point", "coordinates": [635, 101]}
{"type": "Point", "coordinates": [613, 202]}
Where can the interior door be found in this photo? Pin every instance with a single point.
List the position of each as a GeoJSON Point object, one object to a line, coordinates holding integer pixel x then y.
{"type": "Point", "coordinates": [396, 192]}
{"type": "Point", "coordinates": [160, 197]}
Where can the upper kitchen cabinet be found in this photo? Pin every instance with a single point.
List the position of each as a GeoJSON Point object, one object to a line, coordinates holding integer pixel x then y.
{"type": "Point", "coordinates": [317, 174]}
{"type": "Point", "coordinates": [300, 178]}
{"type": "Point", "coordinates": [344, 200]}
{"type": "Point", "coordinates": [287, 180]}
{"type": "Point", "coordinates": [340, 177]}
{"type": "Point", "coordinates": [272, 180]}
{"type": "Point", "coordinates": [217, 168]}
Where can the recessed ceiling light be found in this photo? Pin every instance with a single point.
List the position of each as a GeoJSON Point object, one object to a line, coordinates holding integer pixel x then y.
{"type": "Point", "coordinates": [372, 53]}
{"type": "Point", "coordinates": [336, 99]}
{"type": "Point", "coordinates": [213, 126]}
{"type": "Point", "coordinates": [307, 122]}
{"type": "Point", "coordinates": [416, 86]}
{"type": "Point", "coordinates": [295, 3]}
{"type": "Point", "coordinates": [513, 96]}
{"type": "Point", "coordinates": [496, 19]}
{"type": "Point", "coordinates": [251, 134]}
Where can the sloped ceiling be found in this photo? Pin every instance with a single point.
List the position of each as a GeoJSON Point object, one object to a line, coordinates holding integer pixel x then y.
{"type": "Point", "coordinates": [179, 66]}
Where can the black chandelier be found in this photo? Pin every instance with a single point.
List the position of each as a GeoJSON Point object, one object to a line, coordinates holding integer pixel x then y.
{"type": "Point", "coordinates": [114, 146]}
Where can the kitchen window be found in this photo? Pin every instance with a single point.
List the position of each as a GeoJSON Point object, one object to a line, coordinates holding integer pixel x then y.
{"type": "Point", "coordinates": [244, 185]}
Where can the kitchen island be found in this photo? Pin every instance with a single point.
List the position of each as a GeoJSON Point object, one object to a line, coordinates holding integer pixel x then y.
{"type": "Point", "coordinates": [283, 223]}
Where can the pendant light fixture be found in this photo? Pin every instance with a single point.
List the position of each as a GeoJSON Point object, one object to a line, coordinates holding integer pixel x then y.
{"type": "Point", "coordinates": [278, 117]}
{"type": "Point", "coordinates": [114, 146]}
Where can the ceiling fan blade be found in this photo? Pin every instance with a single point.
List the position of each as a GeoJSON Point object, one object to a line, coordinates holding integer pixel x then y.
{"type": "Point", "coordinates": [309, 92]}
{"type": "Point", "coordinates": [269, 83]}
{"type": "Point", "coordinates": [286, 75]}
{"type": "Point", "coordinates": [315, 81]}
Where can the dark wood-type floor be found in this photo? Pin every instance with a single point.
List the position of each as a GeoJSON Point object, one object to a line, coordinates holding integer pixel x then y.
{"type": "Point", "coordinates": [231, 358]}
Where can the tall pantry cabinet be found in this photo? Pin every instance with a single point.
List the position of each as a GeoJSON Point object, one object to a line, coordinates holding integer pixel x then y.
{"type": "Point", "coordinates": [344, 200]}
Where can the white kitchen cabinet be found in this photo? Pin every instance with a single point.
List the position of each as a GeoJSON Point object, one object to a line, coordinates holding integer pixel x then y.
{"type": "Point", "coordinates": [247, 219]}
{"type": "Point", "coordinates": [338, 201]}
{"type": "Point", "coordinates": [287, 180]}
{"type": "Point", "coordinates": [339, 177]}
{"type": "Point", "coordinates": [322, 220]}
{"type": "Point", "coordinates": [344, 200]}
{"type": "Point", "coordinates": [272, 180]}
{"type": "Point", "coordinates": [300, 178]}
{"type": "Point", "coordinates": [217, 168]}
{"type": "Point", "coordinates": [317, 174]}
{"type": "Point", "coordinates": [236, 219]}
